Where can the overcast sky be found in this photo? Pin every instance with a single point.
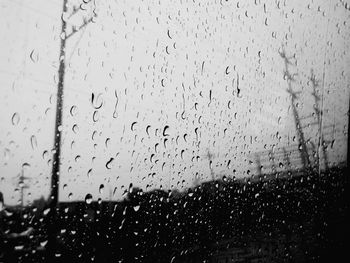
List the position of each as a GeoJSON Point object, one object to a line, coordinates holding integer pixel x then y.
{"type": "Point", "coordinates": [208, 72]}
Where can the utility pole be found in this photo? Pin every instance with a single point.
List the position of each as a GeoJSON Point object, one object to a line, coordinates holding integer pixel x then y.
{"type": "Point", "coordinates": [319, 115]}
{"type": "Point", "coordinates": [55, 176]}
{"type": "Point", "coordinates": [22, 186]}
{"type": "Point", "coordinates": [59, 110]}
{"type": "Point", "coordinates": [302, 143]}
{"type": "Point", "coordinates": [348, 153]}
{"type": "Point", "coordinates": [59, 101]}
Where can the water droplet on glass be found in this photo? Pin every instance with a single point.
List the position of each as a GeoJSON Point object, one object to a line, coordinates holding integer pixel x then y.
{"type": "Point", "coordinates": [15, 118]}
{"type": "Point", "coordinates": [73, 110]}
{"type": "Point", "coordinates": [46, 211]}
{"type": "Point", "coordinates": [34, 56]}
{"type": "Point", "coordinates": [25, 165]}
{"type": "Point", "coordinates": [101, 188]}
{"type": "Point", "coordinates": [133, 125]}
{"type": "Point", "coordinates": [75, 128]}
{"type": "Point", "coordinates": [109, 163]}
{"type": "Point", "coordinates": [96, 101]}
{"type": "Point", "coordinates": [107, 142]}
{"type": "Point", "coordinates": [165, 130]}
{"type": "Point", "coordinates": [33, 141]}
{"type": "Point", "coordinates": [88, 199]}
{"type": "Point", "coordinates": [147, 129]}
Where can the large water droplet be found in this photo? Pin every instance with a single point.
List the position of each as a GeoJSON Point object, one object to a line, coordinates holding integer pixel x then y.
{"type": "Point", "coordinates": [88, 199]}
{"type": "Point", "coordinates": [96, 101]}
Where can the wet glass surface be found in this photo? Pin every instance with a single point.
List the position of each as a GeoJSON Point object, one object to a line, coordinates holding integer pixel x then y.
{"type": "Point", "coordinates": [174, 131]}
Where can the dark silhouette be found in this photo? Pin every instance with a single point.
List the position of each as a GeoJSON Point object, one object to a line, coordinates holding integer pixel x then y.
{"type": "Point", "coordinates": [319, 115]}
{"type": "Point", "coordinates": [295, 217]}
{"type": "Point", "coordinates": [293, 94]}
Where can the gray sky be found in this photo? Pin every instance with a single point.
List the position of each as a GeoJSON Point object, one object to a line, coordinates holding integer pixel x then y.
{"type": "Point", "coordinates": [164, 63]}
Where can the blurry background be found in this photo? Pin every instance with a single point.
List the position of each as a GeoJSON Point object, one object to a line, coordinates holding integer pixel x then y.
{"type": "Point", "coordinates": [167, 94]}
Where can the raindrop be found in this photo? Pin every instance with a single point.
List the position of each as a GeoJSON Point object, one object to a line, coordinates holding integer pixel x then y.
{"type": "Point", "coordinates": [46, 211]}
{"type": "Point", "coordinates": [43, 243]}
{"type": "Point", "coordinates": [182, 154]}
{"type": "Point", "coordinates": [34, 56]}
{"type": "Point", "coordinates": [15, 118]}
{"type": "Point", "coordinates": [163, 83]}
{"type": "Point", "coordinates": [95, 116]}
{"type": "Point", "coordinates": [109, 163]}
{"type": "Point", "coordinates": [45, 154]}
{"type": "Point", "coordinates": [96, 101]}
{"type": "Point", "coordinates": [133, 125]}
{"type": "Point", "coordinates": [107, 142]}
{"type": "Point", "coordinates": [25, 165]}
{"type": "Point", "coordinates": [238, 89]}
{"type": "Point", "coordinates": [33, 141]}
{"type": "Point", "coordinates": [169, 34]}
{"type": "Point", "coordinates": [88, 199]}
{"type": "Point", "coordinates": [101, 188]}
{"type": "Point", "coordinates": [147, 129]}
{"type": "Point", "coordinates": [115, 114]}
{"type": "Point", "coordinates": [94, 134]}
{"type": "Point", "coordinates": [77, 158]}
{"type": "Point", "coordinates": [165, 130]}
{"type": "Point", "coordinates": [73, 110]}
{"type": "Point", "coordinates": [196, 131]}
{"type": "Point", "coordinates": [75, 128]}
